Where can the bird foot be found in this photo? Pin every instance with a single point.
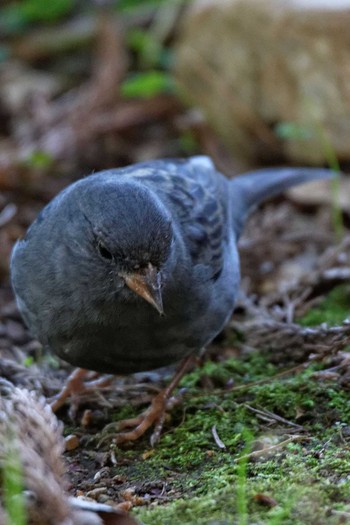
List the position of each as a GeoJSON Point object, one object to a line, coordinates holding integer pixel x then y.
{"type": "Point", "coordinates": [76, 385]}
{"type": "Point", "coordinates": [153, 416]}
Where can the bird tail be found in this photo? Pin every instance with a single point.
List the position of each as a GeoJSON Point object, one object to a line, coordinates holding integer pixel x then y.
{"type": "Point", "coordinates": [252, 188]}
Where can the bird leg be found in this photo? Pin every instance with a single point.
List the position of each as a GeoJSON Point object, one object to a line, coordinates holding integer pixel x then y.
{"type": "Point", "coordinates": [154, 415]}
{"type": "Point", "coordinates": [75, 384]}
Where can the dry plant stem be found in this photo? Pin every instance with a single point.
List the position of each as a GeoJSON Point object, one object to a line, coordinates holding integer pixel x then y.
{"type": "Point", "coordinates": [217, 440]}
{"type": "Point", "coordinates": [75, 385]}
{"type": "Point", "coordinates": [270, 417]}
{"type": "Point", "coordinates": [341, 514]}
{"type": "Point", "coordinates": [154, 415]}
{"type": "Point", "coordinates": [258, 453]}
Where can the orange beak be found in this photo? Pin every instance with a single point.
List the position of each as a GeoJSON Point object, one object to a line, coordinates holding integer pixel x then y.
{"type": "Point", "coordinates": [147, 284]}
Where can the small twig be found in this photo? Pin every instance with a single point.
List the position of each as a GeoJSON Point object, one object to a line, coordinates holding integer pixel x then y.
{"type": "Point", "coordinates": [273, 417]}
{"type": "Point", "coordinates": [292, 303]}
{"type": "Point", "coordinates": [217, 440]}
{"type": "Point", "coordinates": [341, 513]}
{"type": "Point", "coordinates": [258, 453]}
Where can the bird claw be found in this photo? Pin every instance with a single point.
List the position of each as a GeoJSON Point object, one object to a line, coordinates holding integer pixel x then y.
{"type": "Point", "coordinates": [75, 385]}
{"type": "Point", "coordinates": [153, 416]}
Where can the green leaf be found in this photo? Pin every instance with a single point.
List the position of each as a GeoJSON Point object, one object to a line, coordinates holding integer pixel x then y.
{"type": "Point", "coordinates": [147, 85]}
{"type": "Point", "coordinates": [13, 490]}
{"type": "Point", "coordinates": [13, 18]}
{"type": "Point", "coordinates": [131, 5]}
{"type": "Point", "coordinates": [293, 131]}
{"type": "Point", "coordinates": [43, 11]}
{"type": "Point", "coordinates": [150, 51]}
{"type": "Point", "coordinates": [28, 361]}
{"type": "Point", "coordinates": [39, 159]}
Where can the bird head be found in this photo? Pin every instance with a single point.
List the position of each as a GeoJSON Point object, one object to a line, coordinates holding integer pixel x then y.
{"type": "Point", "coordinates": [130, 235]}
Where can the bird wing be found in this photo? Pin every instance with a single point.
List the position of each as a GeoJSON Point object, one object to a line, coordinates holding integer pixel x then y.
{"type": "Point", "coordinates": [196, 193]}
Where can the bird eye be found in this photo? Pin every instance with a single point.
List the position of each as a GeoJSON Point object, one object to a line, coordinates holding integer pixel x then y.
{"type": "Point", "coordinates": [104, 252]}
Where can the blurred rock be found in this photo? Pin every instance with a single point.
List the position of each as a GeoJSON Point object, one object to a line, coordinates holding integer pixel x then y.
{"type": "Point", "coordinates": [322, 194]}
{"type": "Point", "coordinates": [272, 76]}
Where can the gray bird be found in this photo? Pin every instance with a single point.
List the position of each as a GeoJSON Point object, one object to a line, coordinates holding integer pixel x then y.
{"type": "Point", "coordinates": [136, 268]}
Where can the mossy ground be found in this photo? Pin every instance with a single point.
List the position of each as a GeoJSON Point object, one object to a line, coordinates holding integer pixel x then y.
{"type": "Point", "coordinates": [334, 308]}
{"type": "Point", "coordinates": [308, 478]}
{"type": "Point", "coordinates": [294, 470]}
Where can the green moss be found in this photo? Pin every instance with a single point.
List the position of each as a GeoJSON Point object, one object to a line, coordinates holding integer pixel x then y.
{"type": "Point", "coordinates": [297, 504]}
{"type": "Point", "coordinates": [205, 485]}
{"type": "Point", "coordinates": [334, 308]}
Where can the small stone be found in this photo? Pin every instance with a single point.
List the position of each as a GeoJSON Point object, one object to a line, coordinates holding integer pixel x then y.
{"type": "Point", "coordinates": [71, 442]}
{"type": "Point", "coordinates": [128, 494]}
{"type": "Point", "coordinates": [119, 479]}
{"type": "Point", "coordinates": [125, 506]}
{"type": "Point", "coordinates": [103, 473]}
{"type": "Point", "coordinates": [239, 51]}
{"type": "Point", "coordinates": [96, 493]}
{"type": "Point", "coordinates": [86, 418]}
